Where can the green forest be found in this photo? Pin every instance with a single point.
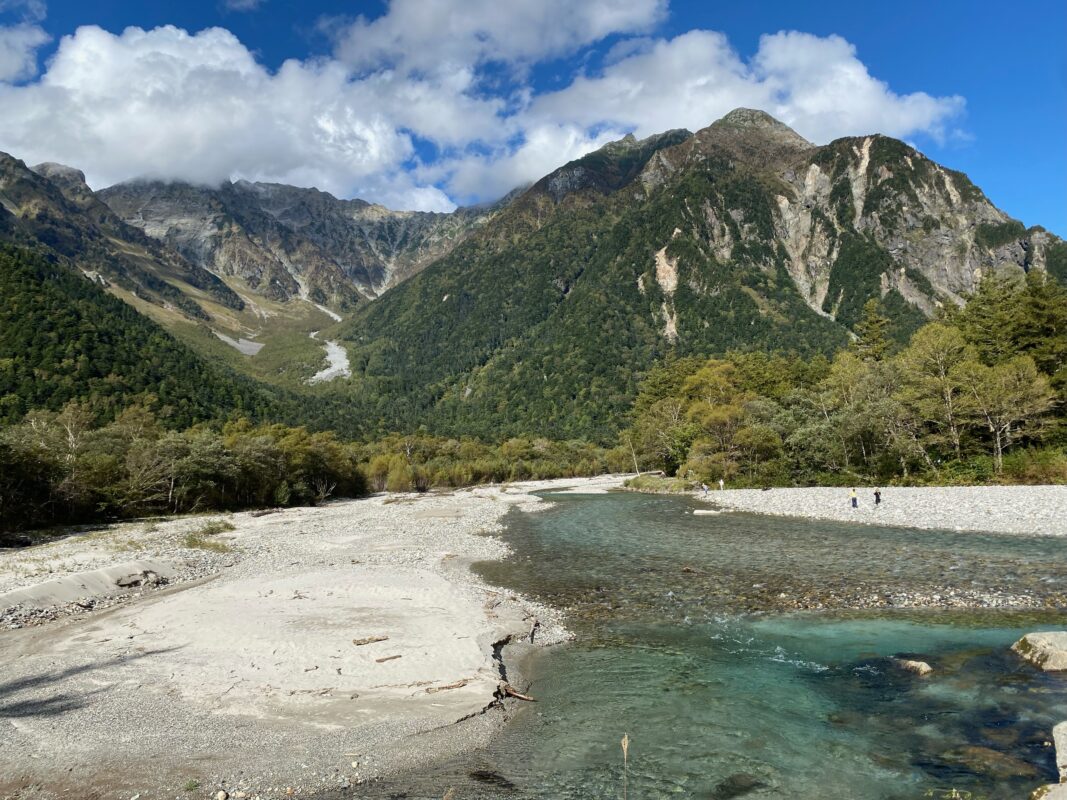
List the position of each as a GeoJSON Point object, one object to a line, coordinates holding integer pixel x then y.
{"type": "Point", "coordinates": [975, 396]}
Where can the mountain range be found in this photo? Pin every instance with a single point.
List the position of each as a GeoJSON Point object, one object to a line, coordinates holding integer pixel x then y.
{"type": "Point", "coordinates": [540, 313]}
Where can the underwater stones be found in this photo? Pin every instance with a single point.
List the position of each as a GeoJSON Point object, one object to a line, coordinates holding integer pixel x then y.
{"type": "Point", "coordinates": [989, 762]}
{"type": "Point", "coordinates": [1044, 649]}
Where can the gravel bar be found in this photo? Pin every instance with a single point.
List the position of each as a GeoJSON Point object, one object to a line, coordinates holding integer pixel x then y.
{"type": "Point", "coordinates": [1032, 510]}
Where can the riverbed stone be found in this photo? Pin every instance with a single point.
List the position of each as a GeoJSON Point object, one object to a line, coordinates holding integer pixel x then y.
{"type": "Point", "coordinates": [989, 762]}
{"type": "Point", "coordinates": [1053, 791]}
{"type": "Point", "coordinates": [1044, 649]}
{"type": "Point", "coordinates": [737, 785]}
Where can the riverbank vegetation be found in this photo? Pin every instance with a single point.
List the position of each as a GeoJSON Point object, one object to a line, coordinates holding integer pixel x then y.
{"type": "Point", "coordinates": [64, 468]}
{"type": "Point", "coordinates": [976, 396]}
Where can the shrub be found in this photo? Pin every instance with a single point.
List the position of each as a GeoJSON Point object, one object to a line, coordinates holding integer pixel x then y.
{"type": "Point", "coordinates": [401, 478]}
{"type": "Point", "coordinates": [1036, 466]}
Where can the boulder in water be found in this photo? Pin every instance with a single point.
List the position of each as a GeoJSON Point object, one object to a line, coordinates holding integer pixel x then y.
{"type": "Point", "coordinates": [1059, 738]}
{"type": "Point", "coordinates": [1044, 649]}
{"type": "Point", "coordinates": [990, 763]}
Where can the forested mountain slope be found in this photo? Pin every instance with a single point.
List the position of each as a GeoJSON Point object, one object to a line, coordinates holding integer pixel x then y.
{"type": "Point", "coordinates": [741, 236]}
{"type": "Point", "coordinates": [64, 338]}
{"type": "Point", "coordinates": [242, 272]}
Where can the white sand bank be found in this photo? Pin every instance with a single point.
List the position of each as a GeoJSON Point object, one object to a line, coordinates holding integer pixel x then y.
{"type": "Point", "coordinates": [257, 679]}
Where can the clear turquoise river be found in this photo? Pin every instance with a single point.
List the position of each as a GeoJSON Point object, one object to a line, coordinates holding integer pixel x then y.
{"type": "Point", "coordinates": [683, 645]}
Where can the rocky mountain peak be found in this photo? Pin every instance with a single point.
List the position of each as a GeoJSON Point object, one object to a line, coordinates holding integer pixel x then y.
{"type": "Point", "coordinates": [611, 167]}
{"type": "Point", "coordinates": [61, 174]}
{"type": "Point", "coordinates": [746, 120]}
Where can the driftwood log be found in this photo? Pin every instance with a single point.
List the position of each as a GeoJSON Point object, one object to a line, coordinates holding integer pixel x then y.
{"type": "Point", "coordinates": [505, 689]}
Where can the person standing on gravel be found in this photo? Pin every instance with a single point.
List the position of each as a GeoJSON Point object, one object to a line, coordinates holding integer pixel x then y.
{"type": "Point", "coordinates": [704, 486]}
{"type": "Point", "coordinates": [877, 497]}
{"type": "Point", "coordinates": [855, 500]}
{"type": "Point", "coordinates": [722, 484]}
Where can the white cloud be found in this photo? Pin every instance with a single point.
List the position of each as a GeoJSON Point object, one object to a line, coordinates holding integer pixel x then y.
{"type": "Point", "coordinates": [31, 10]}
{"type": "Point", "coordinates": [167, 104]}
{"type": "Point", "coordinates": [429, 36]}
{"type": "Point", "coordinates": [18, 51]}
{"type": "Point", "coordinates": [243, 5]}
{"type": "Point", "coordinates": [544, 148]}
{"type": "Point", "coordinates": [199, 107]}
{"type": "Point", "coordinates": [816, 85]}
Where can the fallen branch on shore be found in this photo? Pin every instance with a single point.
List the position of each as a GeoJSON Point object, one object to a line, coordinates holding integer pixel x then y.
{"type": "Point", "coordinates": [387, 658]}
{"type": "Point", "coordinates": [505, 689]}
{"type": "Point", "coordinates": [369, 640]}
{"type": "Point", "coordinates": [264, 512]}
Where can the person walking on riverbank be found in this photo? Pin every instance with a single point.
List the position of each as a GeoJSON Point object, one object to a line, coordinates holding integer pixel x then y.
{"type": "Point", "coordinates": [877, 497]}
{"type": "Point", "coordinates": [704, 486]}
{"type": "Point", "coordinates": [855, 500]}
{"type": "Point", "coordinates": [722, 484]}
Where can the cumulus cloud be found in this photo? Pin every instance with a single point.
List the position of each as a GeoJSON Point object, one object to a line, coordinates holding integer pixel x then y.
{"type": "Point", "coordinates": [170, 104]}
{"type": "Point", "coordinates": [815, 84]}
{"type": "Point", "coordinates": [543, 148]}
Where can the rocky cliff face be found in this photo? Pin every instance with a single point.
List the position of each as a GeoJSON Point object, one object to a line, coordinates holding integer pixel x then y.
{"type": "Point", "coordinates": [51, 207]}
{"type": "Point", "coordinates": [286, 242]}
{"type": "Point", "coordinates": [858, 217]}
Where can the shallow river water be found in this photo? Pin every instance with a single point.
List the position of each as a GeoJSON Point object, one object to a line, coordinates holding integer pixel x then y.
{"type": "Point", "coordinates": [682, 645]}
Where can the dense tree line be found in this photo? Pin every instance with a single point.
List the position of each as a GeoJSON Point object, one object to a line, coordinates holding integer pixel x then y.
{"type": "Point", "coordinates": [61, 467]}
{"type": "Point", "coordinates": [976, 395]}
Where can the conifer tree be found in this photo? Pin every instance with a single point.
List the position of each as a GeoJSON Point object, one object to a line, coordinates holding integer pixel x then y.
{"type": "Point", "coordinates": [872, 340]}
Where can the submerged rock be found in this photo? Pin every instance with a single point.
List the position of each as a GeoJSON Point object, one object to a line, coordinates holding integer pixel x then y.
{"type": "Point", "coordinates": [920, 668]}
{"type": "Point", "coordinates": [1044, 649]}
{"type": "Point", "coordinates": [737, 785]}
{"type": "Point", "coordinates": [989, 762]}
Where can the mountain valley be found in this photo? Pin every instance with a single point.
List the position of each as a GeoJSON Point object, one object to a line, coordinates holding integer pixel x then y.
{"type": "Point", "coordinates": [541, 312]}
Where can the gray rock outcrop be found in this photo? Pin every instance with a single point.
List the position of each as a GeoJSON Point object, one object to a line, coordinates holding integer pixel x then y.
{"type": "Point", "coordinates": [1044, 649]}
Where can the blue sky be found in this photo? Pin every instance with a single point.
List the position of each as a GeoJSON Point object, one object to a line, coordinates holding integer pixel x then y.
{"type": "Point", "coordinates": [428, 103]}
